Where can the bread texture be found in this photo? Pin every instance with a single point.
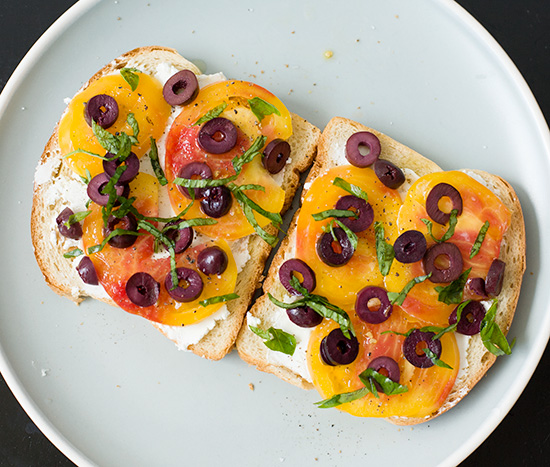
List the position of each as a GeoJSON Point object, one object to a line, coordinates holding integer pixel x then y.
{"type": "Point", "coordinates": [54, 180]}
{"type": "Point", "coordinates": [330, 154]}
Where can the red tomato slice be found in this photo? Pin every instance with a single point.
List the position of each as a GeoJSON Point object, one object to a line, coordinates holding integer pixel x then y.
{"type": "Point", "coordinates": [479, 205]}
{"type": "Point", "coordinates": [115, 266]}
{"type": "Point", "coordinates": [334, 282]}
{"type": "Point", "coordinates": [182, 148]}
{"type": "Point", "coordinates": [428, 387]}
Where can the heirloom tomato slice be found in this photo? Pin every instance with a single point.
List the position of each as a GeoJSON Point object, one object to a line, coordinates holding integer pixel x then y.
{"type": "Point", "coordinates": [334, 282]}
{"type": "Point", "coordinates": [479, 205]}
{"type": "Point", "coordinates": [182, 148]}
{"type": "Point", "coordinates": [427, 387]}
{"type": "Point", "coordinates": [114, 266]}
{"type": "Point", "coordinates": [146, 103]}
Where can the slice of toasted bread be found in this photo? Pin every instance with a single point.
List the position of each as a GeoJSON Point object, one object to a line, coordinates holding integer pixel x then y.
{"type": "Point", "coordinates": [331, 153]}
{"type": "Point", "coordinates": [57, 187]}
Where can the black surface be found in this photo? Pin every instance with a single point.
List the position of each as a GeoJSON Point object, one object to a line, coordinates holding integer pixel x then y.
{"type": "Point", "coordinates": [522, 29]}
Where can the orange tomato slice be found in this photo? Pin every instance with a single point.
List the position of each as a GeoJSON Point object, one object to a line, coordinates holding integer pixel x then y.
{"type": "Point", "coordinates": [146, 103]}
{"type": "Point", "coordinates": [115, 266]}
{"type": "Point", "coordinates": [428, 387]}
{"type": "Point", "coordinates": [479, 205]}
{"type": "Point", "coordinates": [182, 148]}
{"type": "Point", "coordinates": [334, 282]}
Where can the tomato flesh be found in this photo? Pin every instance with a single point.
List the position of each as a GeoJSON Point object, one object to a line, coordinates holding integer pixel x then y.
{"type": "Point", "coordinates": [146, 103]}
{"type": "Point", "coordinates": [182, 148]}
{"type": "Point", "coordinates": [427, 387]}
{"type": "Point", "coordinates": [334, 282]}
{"type": "Point", "coordinates": [114, 266]}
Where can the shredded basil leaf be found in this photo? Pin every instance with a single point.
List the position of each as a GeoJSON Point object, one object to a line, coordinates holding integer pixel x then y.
{"type": "Point", "coordinates": [73, 253]}
{"type": "Point", "coordinates": [130, 76]}
{"type": "Point", "coordinates": [384, 251]}
{"type": "Point", "coordinates": [76, 217]}
{"type": "Point", "coordinates": [453, 219]}
{"type": "Point", "coordinates": [479, 239]}
{"type": "Point", "coordinates": [399, 298]}
{"type": "Point", "coordinates": [83, 151]}
{"type": "Point", "coordinates": [320, 216]}
{"type": "Point", "coordinates": [87, 179]}
{"type": "Point", "coordinates": [213, 113]}
{"type": "Point", "coordinates": [108, 141]}
{"type": "Point", "coordinates": [114, 233]}
{"type": "Point", "coordinates": [492, 336]}
{"type": "Point", "coordinates": [131, 119]}
{"type": "Point", "coordinates": [218, 299]}
{"type": "Point", "coordinates": [440, 331]}
{"type": "Point", "coordinates": [249, 154]}
{"type": "Point", "coordinates": [453, 292]}
{"type": "Point", "coordinates": [350, 188]}
{"type": "Point", "coordinates": [389, 387]}
{"type": "Point", "coordinates": [261, 108]}
{"type": "Point", "coordinates": [352, 237]}
{"type": "Point", "coordinates": [339, 399]}
{"type": "Point", "coordinates": [109, 189]}
{"type": "Point", "coordinates": [435, 360]}
{"type": "Point", "coordinates": [155, 163]}
{"type": "Point", "coordinates": [276, 339]}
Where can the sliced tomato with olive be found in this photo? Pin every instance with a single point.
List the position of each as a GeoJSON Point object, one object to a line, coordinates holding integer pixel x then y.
{"type": "Point", "coordinates": [146, 103]}
{"type": "Point", "coordinates": [479, 205]}
{"type": "Point", "coordinates": [183, 148]}
{"type": "Point", "coordinates": [334, 282]}
{"type": "Point", "coordinates": [115, 266]}
{"type": "Point", "coordinates": [427, 387]}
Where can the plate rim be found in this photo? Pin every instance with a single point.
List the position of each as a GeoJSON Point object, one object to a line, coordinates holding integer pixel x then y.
{"type": "Point", "coordinates": [536, 347]}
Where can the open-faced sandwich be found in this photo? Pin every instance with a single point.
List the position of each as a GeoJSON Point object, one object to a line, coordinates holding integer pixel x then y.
{"type": "Point", "coordinates": [397, 283]}
{"type": "Point", "coordinates": [160, 191]}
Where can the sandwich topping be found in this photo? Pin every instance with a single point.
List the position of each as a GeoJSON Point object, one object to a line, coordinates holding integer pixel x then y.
{"type": "Point", "coordinates": [174, 271]}
{"type": "Point", "coordinates": [408, 272]}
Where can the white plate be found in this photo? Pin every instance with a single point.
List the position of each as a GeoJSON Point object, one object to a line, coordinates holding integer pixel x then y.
{"type": "Point", "coordinates": [107, 388]}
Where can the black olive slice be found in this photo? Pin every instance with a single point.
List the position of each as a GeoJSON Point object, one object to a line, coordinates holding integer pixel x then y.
{"type": "Point", "coordinates": [142, 289]}
{"type": "Point", "coordinates": [304, 316]}
{"type": "Point", "coordinates": [212, 260]}
{"type": "Point", "coordinates": [410, 246]}
{"type": "Point", "coordinates": [363, 210]}
{"type": "Point", "coordinates": [86, 271]}
{"type": "Point", "coordinates": [96, 186]}
{"type": "Point", "coordinates": [362, 149]}
{"type": "Point", "coordinates": [199, 169]}
{"type": "Point", "coordinates": [103, 109]}
{"type": "Point", "coordinates": [413, 345]}
{"type": "Point", "coordinates": [74, 231]}
{"type": "Point", "coordinates": [297, 266]}
{"type": "Point", "coordinates": [390, 367]}
{"type": "Point", "coordinates": [326, 249]}
{"type": "Point", "coordinates": [182, 238]}
{"type": "Point", "coordinates": [372, 305]}
{"type": "Point", "coordinates": [389, 174]}
{"type": "Point", "coordinates": [275, 155]}
{"type": "Point", "coordinates": [442, 190]}
{"type": "Point", "coordinates": [132, 168]}
{"type": "Point", "coordinates": [192, 285]}
{"type": "Point", "coordinates": [181, 88]}
{"type": "Point", "coordinates": [337, 349]}
{"type": "Point", "coordinates": [470, 318]}
{"type": "Point", "coordinates": [217, 201]}
{"type": "Point", "coordinates": [451, 254]}
{"type": "Point", "coordinates": [127, 222]}
{"type": "Point", "coordinates": [495, 277]}
{"type": "Point", "coordinates": [218, 136]}
{"type": "Point", "coordinates": [476, 285]}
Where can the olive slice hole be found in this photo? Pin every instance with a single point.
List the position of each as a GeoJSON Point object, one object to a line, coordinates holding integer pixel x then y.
{"type": "Point", "coordinates": [445, 204]}
{"type": "Point", "coordinates": [419, 349]}
{"type": "Point", "coordinates": [442, 262]}
{"type": "Point", "coordinates": [374, 304]}
{"type": "Point", "coordinates": [364, 150]}
{"type": "Point", "coordinates": [218, 136]}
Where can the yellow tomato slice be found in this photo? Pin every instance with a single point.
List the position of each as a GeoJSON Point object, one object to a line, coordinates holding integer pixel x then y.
{"type": "Point", "coordinates": [334, 282]}
{"type": "Point", "coordinates": [427, 388]}
{"type": "Point", "coordinates": [146, 103]}
{"type": "Point", "coordinates": [114, 266]}
{"type": "Point", "coordinates": [479, 205]}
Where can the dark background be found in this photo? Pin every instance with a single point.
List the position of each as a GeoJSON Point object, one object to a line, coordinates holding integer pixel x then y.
{"type": "Point", "coordinates": [522, 27]}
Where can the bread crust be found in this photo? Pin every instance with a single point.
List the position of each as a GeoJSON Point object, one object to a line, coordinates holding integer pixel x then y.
{"type": "Point", "coordinates": [60, 273]}
{"type": "Point", "coordinates": [479, 359]}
